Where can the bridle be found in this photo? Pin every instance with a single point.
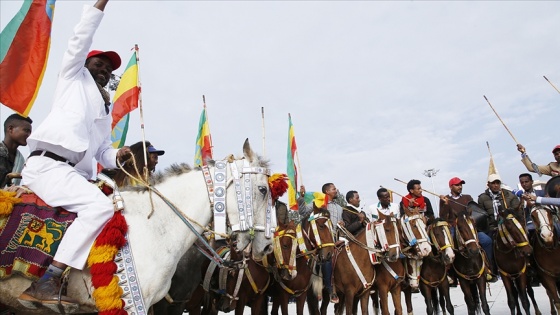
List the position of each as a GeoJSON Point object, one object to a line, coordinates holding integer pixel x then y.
{"type": "Point", "coordinates": [541, 213]}
{"type": "Point", "coordinates": [409, 233]}
{"type": "Point", "coordinates": [289, 265]}
{"type": "Point", "coordinates": [447, 239]}
{"type": "Point", "coordinates": [505, 234]}
{"type": "Point", "coordinates": [243, 182]}
{"type": "Point", "coordinates": [383, 242]}
{"type": "Point", "coordinates": [312, 227]}
{"type": "Point", "coordinates": [461, 243]}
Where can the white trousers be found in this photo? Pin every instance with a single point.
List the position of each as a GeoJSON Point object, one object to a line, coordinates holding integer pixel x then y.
{"type": "Point", "coordinates": [60, 185]}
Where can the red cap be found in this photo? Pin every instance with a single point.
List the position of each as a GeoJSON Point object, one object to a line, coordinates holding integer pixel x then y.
{"type": "Point", "coordinates": [455, 181]}
{"type": "Point", "coordinates": [113, 56]}
{"type": "Point", "coordinates": [556, 148]}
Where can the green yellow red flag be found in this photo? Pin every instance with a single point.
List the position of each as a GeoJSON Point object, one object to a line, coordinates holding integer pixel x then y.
{"type": "Point", "coordinates": [24, 51]}
{"type": "Point", "coordinates": [203, 149]}
{"type": "Point", "coordinates": [125, 100]}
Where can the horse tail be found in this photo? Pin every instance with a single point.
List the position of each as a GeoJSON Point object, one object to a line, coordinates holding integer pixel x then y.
{"type": "Point", "coordinates": [317, 285]}
{"type": "Point", "coordinates": [435, 299]}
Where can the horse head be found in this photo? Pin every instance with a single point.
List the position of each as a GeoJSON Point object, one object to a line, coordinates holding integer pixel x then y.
{"type": "Point", "coordinates": [285, 249]}
{"type": "Point", "coordinates": [466, 235]}
{"type": "Point", "coordinates": [440, 236]}
{"type": "Point", "coordinates": [512, 233]}
{"type": "Point", "coordinates": [319, 231]}
{"type": "Point", "coordinates": [255, 219]}
{"type": "Point", "coordinates": [414, 232]}
{"type": "Point", "coordinates": [387, 231]}
{"type": "Point", "coordinates": [542, 218]}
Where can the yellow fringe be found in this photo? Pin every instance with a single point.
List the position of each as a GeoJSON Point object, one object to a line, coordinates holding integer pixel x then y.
{"type": "Point", "coordinates": [109, 297]}
{"type": "Point", "coordinates": [7, 201]}
{"type": "Point", "coordinates": [101, 254]}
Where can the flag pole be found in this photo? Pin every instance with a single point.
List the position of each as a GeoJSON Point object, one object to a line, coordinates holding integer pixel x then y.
{"type": "Point", "coordinates": [297, 161]}
{"type": "Point", "coordinates": [263, 133]}
{"type": "Point", "coordinates": [145, 170]}
{"type": "Point", "coordinates": [208, 122]}
{"type": "Point", "coordinates": [551, 84]}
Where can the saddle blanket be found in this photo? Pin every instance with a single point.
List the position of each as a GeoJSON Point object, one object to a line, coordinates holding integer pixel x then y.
{"type": "Point", "coordinates": [29, 237]}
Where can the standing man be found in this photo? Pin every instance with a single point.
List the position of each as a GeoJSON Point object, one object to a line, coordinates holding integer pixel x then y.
{"type": "Point", "coordinates": [354, 218]}
{"type": "Point", "coordinates": [493, 200]}
{"type": "Point", "coordinates": [453, 204]}
{"type": "Point", "coordinates": [414, 199]}
{"type": "Point", "coordinates": [552, 169]}
{"type": "Point", "coordinates": [16, 131]}
{"type": "Point", "coordinates": [77, 129]}
{"type": "Point", "coordinates": [335, 211]}
{"type": "Point", "coordinates": [384, 205]}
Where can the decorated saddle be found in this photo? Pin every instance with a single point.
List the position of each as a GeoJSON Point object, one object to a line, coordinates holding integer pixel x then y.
{"type": "Point", "coordinates": [29, 235]}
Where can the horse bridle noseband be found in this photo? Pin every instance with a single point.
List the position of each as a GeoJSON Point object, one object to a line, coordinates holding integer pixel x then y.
{"type": "Point", "coordinates": [217, 188]}
{"type": "Point", "coordinates": [409, 234]}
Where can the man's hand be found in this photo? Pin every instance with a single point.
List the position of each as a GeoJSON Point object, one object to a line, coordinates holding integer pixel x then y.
{"type": "Point", "coordinates": [123, 154]}
{"type": "Point", "coordinates": [444, 199]}
{"type": "Point", "coordinates": [341, 223]}
{"type": "Point", "coordinates": [520, 148]}
{"type": "Point", "coordinates": [361, 216]}
{"type": "Point", "coordinates": [19, 190]}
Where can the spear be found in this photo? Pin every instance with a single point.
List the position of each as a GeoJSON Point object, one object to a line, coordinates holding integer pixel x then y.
{"type": "Point", "coordinates": [263, 133]}
{"type": "Point", "coordinates": [551, 84]}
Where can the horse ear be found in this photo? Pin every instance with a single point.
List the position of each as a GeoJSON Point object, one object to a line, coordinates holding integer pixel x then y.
{"type": "Point", "coordinates": [248, 152]}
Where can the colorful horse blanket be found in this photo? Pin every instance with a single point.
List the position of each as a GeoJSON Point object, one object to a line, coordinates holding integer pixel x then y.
{"type": "Point", "coordinates": [30, 235]}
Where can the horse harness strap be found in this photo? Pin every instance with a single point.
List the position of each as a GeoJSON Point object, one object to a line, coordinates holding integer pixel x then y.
{"type": "Point", "coordinates": [359, 273]}
{"type": "Point", "coordinates": [252, 281]}
{"type": "Point", "coordinates": [447, 234]}
{"type": "Point", "coordinates": [505, 235]}
{"type": "Point", "coordinates": [391, 271]}
{"type": "Point", "coordinates": [475, 276]}
{"type": "Point", "coordinates": [433, 284]}
{"type": "Point", "coordinates": [513, 275]}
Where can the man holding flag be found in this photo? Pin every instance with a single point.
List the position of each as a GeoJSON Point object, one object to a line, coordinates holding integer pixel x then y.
{"type": "Point", "coordinates": [77, 129]}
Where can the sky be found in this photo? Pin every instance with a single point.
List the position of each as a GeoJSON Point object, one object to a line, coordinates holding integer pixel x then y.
{"type": "Point", "coordinates": [376, 90]}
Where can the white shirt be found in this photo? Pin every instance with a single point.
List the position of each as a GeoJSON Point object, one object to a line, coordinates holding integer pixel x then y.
{"type": "Point", "coordinates": [375, 209]}
{"type": "Point", "coordinates": [78, 128]}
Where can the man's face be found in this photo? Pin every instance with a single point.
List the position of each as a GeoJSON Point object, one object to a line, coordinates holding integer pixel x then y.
{"type": "Point", "coordinates": [416, 191]}
{"type": "Point", "coordinates": [526, 183]}
{"type": "Point", "coordinates": [495, 186]}
{"type": "Point", "coordinates": [355, 200]}
{"type": "Point", "coordinates": [557, 155]}
{"type": "Point", "coordinates": [331, 192]}
{"type": "Point", "coordinates": [100, 68]}
{"type": "Point", "coordinates": [457, 189]}
{"type": "Point", "coordinates": [385, 199]}
{"type": "Point", "coordinates": [152, 162]}
{"type": "Point", "coordinates": [19, 131]}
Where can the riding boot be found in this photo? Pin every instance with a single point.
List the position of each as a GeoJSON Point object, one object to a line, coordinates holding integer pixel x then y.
{"type": "Point", "coordinates": [532, 275]}
{"type": "Point", "coordinates": [452, 278]}
{"type": "Point", "coordinates": [49, 293]}
{"type": "Point", "coordinates": [491, 274]}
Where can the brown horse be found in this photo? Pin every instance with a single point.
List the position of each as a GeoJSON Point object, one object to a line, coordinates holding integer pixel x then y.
{"type": "Point", "coordinates": [433, 275]}
{"type": "Point", "coordinates": [294, 249]}
{"type": "Point", "coordinates": [470, 264]}
{"type": "Point", "coordinates": [416, 246]}
{"type": "Point", "coordinates": [354, 272]}
{"type": "Point", "coordinates": [547, 253]}
{"type": "Point", "coordinates": [391, 272]}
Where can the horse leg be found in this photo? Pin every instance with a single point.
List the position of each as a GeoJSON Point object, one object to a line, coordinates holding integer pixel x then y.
{"type": "Point", "coordinates": [257, 304]}
{"type": "Point", "coordinates": [532, 296]}
{"type": "Point", "coordinates": [364, 303]}
{"type": "Point", "coordinates": [549, 283]}
{"type": "Point", "coordinates": [468, 294]}
{"type": "Point", "coordinates": [300, 303]}
{"type": "Point", "coordinates": [396, 295]}
{"type": "Point", "coordinates": [444, 292]}
{"type": "Point", "coordinates": [325, 302]}
{"type": "Point", "coordinates": [283, 300]}
{"type": "Point", "coordinates": [375, 302]}
{"type": "Point", "coordinates": [522, 283]}
{"type": "Point", "coordinates": [383, 298]}
{"type": "Point", "coordinates": [408, 299]}
{"type": "Point", "coordinates": [481, 284]}
{"type": "Point", "coordinates": [312, 303]}
{"type": "Point", "coordinates": [511, 298]}
{"type": "Point", "coordinates": [427, 293]}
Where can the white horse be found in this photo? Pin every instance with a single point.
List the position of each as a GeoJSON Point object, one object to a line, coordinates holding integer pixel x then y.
{"type": "Point", "coordinates": [158, 243]}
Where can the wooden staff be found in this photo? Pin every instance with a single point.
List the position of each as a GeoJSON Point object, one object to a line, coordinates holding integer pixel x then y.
{"type": "Point", "coordinates": [429, 192]}
{"type": "Point", "coordinates": [511, 134]}
{"type": "Point", "coordinates": [551, 84]}
{"type": "Point", "coordinates": [396, 193]}
{"type": "Point", "coordinates": [141, 109]}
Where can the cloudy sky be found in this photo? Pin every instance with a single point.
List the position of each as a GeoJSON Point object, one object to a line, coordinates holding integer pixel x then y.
{"type": "Point", "coordinates": [376, 90]}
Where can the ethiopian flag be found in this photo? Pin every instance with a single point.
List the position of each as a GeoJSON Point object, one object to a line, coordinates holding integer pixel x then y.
{"type": "Point", "coordinates": [125, 100]}
{"type": "Point", "coordinates": [24, 50]}
{"type": "Point", "coordinates": [291, 167]}
{"type": "Point", "coordinates": [203, 149]}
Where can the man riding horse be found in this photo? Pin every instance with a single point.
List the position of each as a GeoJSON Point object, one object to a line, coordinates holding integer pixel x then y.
{"type": "Point", "coordinates": [77, 129]}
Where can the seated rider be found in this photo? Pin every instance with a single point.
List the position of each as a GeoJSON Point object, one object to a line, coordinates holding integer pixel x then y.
{"type": "Point", "coordinates": [453, 204]}
{"type": "Point", "coordinates": [335, 211]}
{"type": "Point", "coordinates": [137, 150]}
{"type": "Point", "coordinates": [354, 218]}
{"type": "Point", "coordinates": [414, 199]}
{"type": "Point", "coordinates": [77, 129]}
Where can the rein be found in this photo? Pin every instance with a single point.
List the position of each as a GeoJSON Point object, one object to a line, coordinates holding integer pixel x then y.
{"type": "Point", "coordinates": [461, 243]}
{"type": "Point", "coordinates": [409, 233]}
{"type": "Point", "coordinates": [507, 238]}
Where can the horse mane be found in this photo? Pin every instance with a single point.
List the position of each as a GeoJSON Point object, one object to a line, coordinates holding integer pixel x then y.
{"type": "Point", "coordinates": [436, 220]}
{"type": "Point", "coordinates": [177, 169]}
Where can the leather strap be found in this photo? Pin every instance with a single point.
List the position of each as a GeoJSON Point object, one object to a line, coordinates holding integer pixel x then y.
{"type": "Point", "coordinates": [51, 155]}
